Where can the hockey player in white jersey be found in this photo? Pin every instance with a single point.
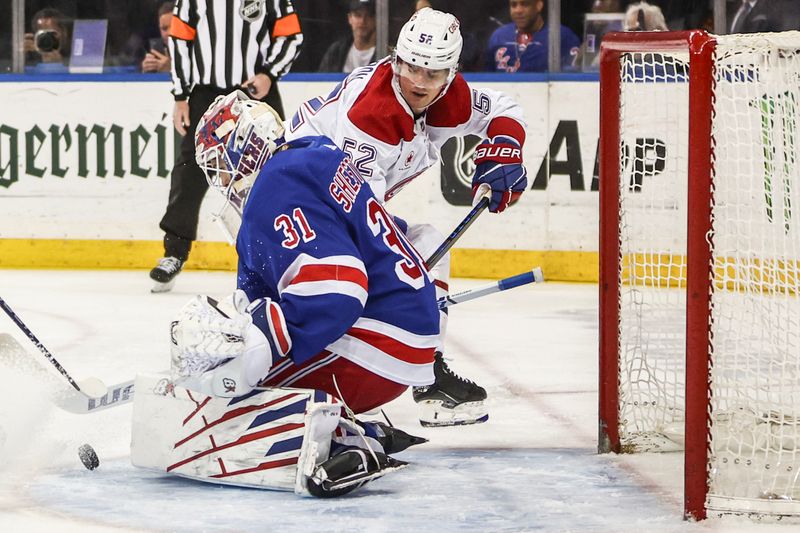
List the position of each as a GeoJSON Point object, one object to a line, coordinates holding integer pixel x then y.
{"type": "Point", "coordinates": [393, 117]}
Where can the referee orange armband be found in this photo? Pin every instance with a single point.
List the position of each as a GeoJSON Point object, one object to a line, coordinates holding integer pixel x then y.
{"type": "Point", "coordinates": [286, 26]}
{"type": "Point", "coordinates": [180, 30]}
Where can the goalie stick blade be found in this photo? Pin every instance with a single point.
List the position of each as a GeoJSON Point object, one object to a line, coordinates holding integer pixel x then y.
{"type": "Point", "coordinates": [93, 387]}
{"type": "Point", "coordinates": [93, 396]}
{"type": "Point", "coordinates": [77, 403]}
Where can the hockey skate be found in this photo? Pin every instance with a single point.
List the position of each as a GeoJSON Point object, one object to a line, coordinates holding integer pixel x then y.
{"type": "Point", "coordinates": [451, 400]}
{"type": "Point", "coordinates": [349, 470]}
{"type": "Point", "coordinates": [164, 273]}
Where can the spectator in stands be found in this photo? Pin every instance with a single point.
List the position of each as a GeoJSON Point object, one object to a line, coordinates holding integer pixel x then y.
{"type": "Point", "coordinates": [50, 38]}
{"type": "Point", "coordinates": [157, 58]}
{"type": "Point", "coordinates": [471, 58]}
{"type": "Point", "coordinates": [642, 16]}
{"type": "Point", "coordinates": [755, 16]}
{"type": "Point", "coordinates": [521, 46]}
{"type": "Point", "coordinates": [358, 48]}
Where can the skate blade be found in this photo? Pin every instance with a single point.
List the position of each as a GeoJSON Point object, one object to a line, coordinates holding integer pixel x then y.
{"type": "Point", "coordinates": [162, 287]}
{"type": "Point", "coordinates": [434, 414]}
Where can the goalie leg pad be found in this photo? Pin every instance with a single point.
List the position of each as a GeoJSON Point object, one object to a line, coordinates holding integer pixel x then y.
{"type": "Point", "coordinates": [270, 439]}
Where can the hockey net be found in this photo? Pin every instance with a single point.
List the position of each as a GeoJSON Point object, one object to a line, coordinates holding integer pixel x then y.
{"type": "Point", "coordinates": [700, 228]}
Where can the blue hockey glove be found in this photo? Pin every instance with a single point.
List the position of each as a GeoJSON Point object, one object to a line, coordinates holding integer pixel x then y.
{"type": "Point", "coordinates": [498, 164]}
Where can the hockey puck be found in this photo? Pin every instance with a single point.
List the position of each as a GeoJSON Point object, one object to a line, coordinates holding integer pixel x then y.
{"type": "Point", "coordinates": [88, 457]}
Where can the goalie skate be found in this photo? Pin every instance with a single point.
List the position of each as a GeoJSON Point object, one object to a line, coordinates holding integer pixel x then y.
{"type": "Point", "coordinates": [349, 470]}
{"type": "Point", "coordinates": [451, 400]}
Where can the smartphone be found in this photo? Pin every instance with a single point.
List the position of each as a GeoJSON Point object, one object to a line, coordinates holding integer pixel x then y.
{"type": "Point", "coordinates": [156, 44]}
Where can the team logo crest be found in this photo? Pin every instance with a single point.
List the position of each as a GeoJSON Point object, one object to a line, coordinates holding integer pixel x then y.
{"type": "Point", "coordinates": [252, 10]}
{"type": "Point", "coordinates": [409, 159]}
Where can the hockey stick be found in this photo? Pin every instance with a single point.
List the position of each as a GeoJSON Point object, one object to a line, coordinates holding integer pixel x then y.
{"type": "Point", "coordinates": [533, 276]}
{"type": "Point", "coordinates": [448, 243]}
{"type": "Point", "coordinates": [91, 388]}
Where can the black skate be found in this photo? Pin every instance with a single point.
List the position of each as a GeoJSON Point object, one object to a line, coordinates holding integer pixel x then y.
{"type": "Point", "coordinates": [451, 400]}
{"type": "Point", "coordinates": [349, 470]}
{"type": "Point", "coordinates": [165, 272]}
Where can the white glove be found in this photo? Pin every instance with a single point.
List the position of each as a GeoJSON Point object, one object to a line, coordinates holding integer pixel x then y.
{"type": "Point", "coordinates": [216, 348]}
{"type": "Point", "coordinates": [203, 336]}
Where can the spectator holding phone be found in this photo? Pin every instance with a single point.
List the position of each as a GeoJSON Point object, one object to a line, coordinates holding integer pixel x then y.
{"type": "Point", "coordinates": [157, 58]}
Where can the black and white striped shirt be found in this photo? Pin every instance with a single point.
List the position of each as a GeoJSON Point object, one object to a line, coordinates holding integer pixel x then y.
{"type": "Point", "coordinates": [222, 43]}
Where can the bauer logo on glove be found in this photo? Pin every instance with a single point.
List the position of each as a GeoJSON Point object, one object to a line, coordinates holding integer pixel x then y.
{"type": "Point", "coordinates": [498, 165]}
{"type": "Point", "coordinates": [499, 153]}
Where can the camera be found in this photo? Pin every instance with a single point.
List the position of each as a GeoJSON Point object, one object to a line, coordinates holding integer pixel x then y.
{"type": "Point", "coordinates": [46, 40]}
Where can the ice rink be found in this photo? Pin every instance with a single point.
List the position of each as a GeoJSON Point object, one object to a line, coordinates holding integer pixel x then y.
{"type": "Point", "coordinates": [532, 467]}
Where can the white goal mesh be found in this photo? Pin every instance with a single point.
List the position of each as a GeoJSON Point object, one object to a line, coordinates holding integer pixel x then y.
{"type": "Point", "coordinates": [754, 338]}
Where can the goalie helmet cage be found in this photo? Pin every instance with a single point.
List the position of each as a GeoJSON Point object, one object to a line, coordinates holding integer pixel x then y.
{"type": "Point", "coordinates": [699, 266]}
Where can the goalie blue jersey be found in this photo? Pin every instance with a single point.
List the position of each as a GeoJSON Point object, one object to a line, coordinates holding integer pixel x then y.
{"type": "Point", "coordinates": [316, 240]}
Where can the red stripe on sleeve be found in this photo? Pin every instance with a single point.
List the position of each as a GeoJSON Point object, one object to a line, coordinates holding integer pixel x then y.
{"type": "Point", "coordinates": [310, 273]}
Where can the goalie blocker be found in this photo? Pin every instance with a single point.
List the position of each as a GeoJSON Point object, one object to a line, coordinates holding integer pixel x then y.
{"type": "Point", "coordinates": [272, 438]}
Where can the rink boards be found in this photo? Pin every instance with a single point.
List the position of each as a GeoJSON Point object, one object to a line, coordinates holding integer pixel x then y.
{"type": "Point", "coordinates": [84, 179]}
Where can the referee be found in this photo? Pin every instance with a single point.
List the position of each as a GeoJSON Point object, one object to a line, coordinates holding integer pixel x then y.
{"type": "Point", "coordinates": [217, 46]}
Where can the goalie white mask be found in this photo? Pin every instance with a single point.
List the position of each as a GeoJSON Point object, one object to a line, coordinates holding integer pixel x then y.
{"type": "Point", "coordinates": [428, 49]}
{"type": "Point", "coordinates": [234, 138]}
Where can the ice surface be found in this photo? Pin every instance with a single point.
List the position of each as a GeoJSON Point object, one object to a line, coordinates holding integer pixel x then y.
{"type": "Point", "coordinates": [532, 467]}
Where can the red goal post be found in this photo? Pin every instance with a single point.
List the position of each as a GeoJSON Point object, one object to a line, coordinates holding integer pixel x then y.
{"type": "Point", "coordinates": [699, 255]}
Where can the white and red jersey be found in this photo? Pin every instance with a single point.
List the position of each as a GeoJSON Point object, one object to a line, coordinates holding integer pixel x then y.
{"type": "Point", "coordinates": [366, 116]}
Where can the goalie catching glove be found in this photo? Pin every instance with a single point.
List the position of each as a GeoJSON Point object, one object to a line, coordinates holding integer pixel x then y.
{"type": "Point", "coordinates": [498, 165]}
{"type": "Point", "coordinates": [226, 349]}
